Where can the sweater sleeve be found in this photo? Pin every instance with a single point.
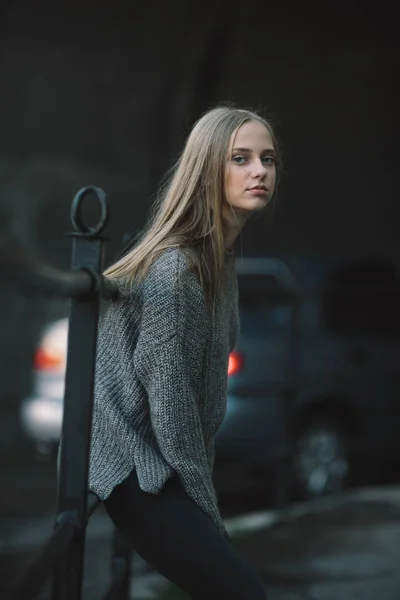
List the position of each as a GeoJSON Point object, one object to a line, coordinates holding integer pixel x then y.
{"type": "Point", "coordinates": [168, 360]}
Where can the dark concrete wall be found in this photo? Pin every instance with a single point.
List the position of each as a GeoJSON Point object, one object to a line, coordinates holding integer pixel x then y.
{"type": "Point", "coordinates": [105, 93]}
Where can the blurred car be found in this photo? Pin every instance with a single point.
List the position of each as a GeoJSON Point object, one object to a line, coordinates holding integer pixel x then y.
{"type": "Point", "coordinates": [315, 385]}
{"type": "Point", "coordinates": [41, 412]}
{"type": "Point", "coordinates": [311, 390]}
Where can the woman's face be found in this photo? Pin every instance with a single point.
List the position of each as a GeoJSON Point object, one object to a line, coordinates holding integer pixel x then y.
{"type": "Point", "coordinates": [251, 171]}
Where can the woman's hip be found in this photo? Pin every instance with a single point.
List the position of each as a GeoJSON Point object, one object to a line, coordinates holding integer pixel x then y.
{"type": "Point", "coordinates": [175, 537]}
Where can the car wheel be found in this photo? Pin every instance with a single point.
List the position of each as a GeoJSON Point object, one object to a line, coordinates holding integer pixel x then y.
{"type": "Point", "coordinates": [320, 459]}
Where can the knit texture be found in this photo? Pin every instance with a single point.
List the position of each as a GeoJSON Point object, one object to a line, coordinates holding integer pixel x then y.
{"type": "Point", "coordinates": [161, 382]}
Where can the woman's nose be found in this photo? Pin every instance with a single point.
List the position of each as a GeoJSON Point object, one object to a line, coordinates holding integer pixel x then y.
{"type": "Point", "coordinates": [259, 169]}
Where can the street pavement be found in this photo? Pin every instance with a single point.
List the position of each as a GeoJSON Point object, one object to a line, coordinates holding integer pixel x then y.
{"type": "Point", "coordinates": [344, 547]}
{"type": "Point", "coordinates": [341, 548]}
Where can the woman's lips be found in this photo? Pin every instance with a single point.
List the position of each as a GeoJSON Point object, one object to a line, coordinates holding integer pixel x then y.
{"type": "Point", "coordinates": [256, 191]}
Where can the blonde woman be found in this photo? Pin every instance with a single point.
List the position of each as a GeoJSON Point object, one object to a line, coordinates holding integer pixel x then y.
{"type": "Point", "coordinates": [163, 349]}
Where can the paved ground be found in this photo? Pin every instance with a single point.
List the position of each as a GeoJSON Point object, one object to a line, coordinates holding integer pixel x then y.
{"type": "Point", "coordinates": [342, 548]}
{"type": "Point", "coordinates": [346, 548]}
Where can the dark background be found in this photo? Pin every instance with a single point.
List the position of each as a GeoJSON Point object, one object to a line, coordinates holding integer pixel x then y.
{"type": "Point", "coordinates": [104, 93]}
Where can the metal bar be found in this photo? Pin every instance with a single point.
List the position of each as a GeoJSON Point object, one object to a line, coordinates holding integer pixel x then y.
{"type": "Point", "coordinates": [37, 573]}
{"type": "Point", "coordinates": [76, 427]}
{"type": "Point", "coordinates": [121, 568]}
{"type": "Point", "coordinates": [87, 253]}
{"type": "Point", "coordinates": [22, 268]}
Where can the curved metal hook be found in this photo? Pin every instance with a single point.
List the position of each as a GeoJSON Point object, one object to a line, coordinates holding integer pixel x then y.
{"type": "Point", "coordinates": [76, 210]}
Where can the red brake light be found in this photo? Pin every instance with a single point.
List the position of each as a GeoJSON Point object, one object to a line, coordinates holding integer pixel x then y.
{"type": "Point", "coordinates": [47, 359]}
{"type": "Point", "coordinates": [235, 363]}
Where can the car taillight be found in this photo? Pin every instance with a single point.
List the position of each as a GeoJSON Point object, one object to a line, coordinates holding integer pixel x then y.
{"type": "Point", "coordinates": [48, 359]}
{"type": "Point", "coordinates": [235, 363]}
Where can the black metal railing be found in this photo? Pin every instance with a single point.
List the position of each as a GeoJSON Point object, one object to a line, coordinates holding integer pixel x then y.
{"type": "Point", "coordinates": [62, 554]}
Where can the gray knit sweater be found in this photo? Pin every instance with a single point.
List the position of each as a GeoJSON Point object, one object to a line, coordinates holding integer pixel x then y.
{"type": "Point", "coordinates": [161, 382]}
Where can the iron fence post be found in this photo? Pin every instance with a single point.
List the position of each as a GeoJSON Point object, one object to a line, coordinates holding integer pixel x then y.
{"type": "Point", "coordinates": [121, 568]}
{"type": "Point", "coordinates": [87, 254]}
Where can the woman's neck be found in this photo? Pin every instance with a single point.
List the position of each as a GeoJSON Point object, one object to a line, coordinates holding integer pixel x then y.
{"type": "Point", "coordinates": [233, 224]}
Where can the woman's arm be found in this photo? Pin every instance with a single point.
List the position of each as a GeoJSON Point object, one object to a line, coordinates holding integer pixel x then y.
{"type": "Point", "coordinates": [168, 360]}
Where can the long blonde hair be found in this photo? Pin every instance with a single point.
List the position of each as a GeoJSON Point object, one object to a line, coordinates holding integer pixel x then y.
{"type": "Point", "coordinates": [187, 212]}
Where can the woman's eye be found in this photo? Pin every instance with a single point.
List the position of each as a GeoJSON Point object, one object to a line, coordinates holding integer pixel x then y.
{"type": "Point", "coordinates": [239, 160]}
{"type": "Point", "coordinates": [269, 160]}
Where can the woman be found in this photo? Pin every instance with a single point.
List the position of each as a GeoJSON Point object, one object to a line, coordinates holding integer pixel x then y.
{"type": "Point", "coordinates": [163, 350]}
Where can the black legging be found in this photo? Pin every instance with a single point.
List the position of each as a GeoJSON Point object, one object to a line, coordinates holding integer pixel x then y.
{"type": "Point", "coordinates": [175, 537]}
